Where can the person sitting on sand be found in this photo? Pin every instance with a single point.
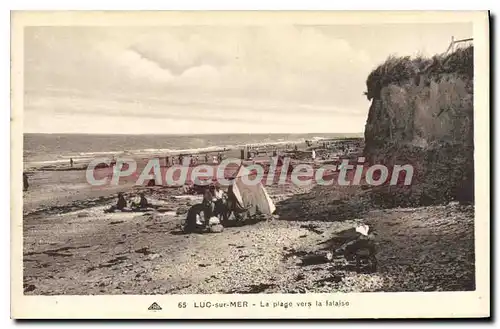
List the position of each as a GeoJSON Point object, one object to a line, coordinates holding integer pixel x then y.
{"type": "Point", "coordinates": [121, 203]}
{"type": "Point", "coordinates": [143, 202]}
{"type": "Point", "coordinates": [219, 193]}
{"type": "Point", "coordinates": [25, 182]}
{"type": "Point", "coordinates": [212, 195]}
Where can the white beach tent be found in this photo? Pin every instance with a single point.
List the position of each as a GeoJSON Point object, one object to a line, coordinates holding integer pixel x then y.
{"type": "Point", "coordinates": [250, 197]}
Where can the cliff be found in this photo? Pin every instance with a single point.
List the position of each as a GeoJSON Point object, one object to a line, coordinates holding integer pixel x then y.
{"type": "Point", "coordinates": [422, 114]}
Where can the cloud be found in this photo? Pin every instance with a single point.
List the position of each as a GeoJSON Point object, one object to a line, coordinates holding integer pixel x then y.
{"type": "Point", "coordinates": [268, 62]}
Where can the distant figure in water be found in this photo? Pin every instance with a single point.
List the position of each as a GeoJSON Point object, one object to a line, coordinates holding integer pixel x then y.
{"type": "Point", "coordinates": [206, 157]}
{"type": "Point", "coordinates": [121, 203]}
{"type": "Point", "coordinates": [71, 162]}
{"type": "Point", "coordinates": [296, 147]}
{"type": "Point", "coordinates": [25, 182]}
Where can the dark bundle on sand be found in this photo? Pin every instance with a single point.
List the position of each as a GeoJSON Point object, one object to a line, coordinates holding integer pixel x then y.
{"type": "Point", "coordinates": [401, 70]}
{"type": "Point", "coordinates": [26, 184]}
{"type": "Point", "coordinates": [356, 245]}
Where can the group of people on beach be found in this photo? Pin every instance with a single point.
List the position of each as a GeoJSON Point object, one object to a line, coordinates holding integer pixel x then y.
{"type": "Point", "coordinates": [194, 160]}
{"type": "Point", "coordinates": [214, 199]}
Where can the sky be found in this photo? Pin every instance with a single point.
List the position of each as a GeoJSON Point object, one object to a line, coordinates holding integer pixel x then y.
{"type": "Point", "coordinates": [212, 79]}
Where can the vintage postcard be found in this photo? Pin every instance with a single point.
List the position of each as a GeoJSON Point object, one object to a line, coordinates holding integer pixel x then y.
{"type": "Point", "coordinates": [227, 165]}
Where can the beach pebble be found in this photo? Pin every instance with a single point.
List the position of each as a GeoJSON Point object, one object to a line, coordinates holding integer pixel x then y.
{"type": "Point", "coordinates": [153, 256]}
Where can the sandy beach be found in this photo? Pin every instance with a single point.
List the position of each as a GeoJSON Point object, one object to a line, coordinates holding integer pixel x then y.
{"type": "Point", "coordinates": [250, 165]}
{"type": "Point", "coordinates": [72, 247]}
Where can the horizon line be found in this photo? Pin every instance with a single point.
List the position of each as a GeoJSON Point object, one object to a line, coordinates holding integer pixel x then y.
{"type": "Point", "coordinates": [189, 134]}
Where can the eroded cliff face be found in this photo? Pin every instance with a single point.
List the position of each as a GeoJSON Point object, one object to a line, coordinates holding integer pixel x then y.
{"type": "Point", "coordinates": [426, 121]}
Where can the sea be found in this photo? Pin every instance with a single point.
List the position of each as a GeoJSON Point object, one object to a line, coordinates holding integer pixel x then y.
{"type": "Point", "coordinates": [41, 149]}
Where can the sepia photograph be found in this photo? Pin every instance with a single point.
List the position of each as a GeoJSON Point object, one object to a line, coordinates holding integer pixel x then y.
{"type": "Point", "coordinates": [234, 160]}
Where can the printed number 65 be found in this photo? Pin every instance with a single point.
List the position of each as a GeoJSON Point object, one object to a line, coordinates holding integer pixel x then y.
{"type": "Point", "coordinates": [182, 305]}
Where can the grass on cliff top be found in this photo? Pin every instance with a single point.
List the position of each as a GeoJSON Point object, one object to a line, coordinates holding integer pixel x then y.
{"type": "Point", "coordinates": [398, 70]}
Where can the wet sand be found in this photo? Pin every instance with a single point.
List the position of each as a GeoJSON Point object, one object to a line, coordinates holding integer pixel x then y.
{"type": "Point", "coordinates": [60, 185]}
